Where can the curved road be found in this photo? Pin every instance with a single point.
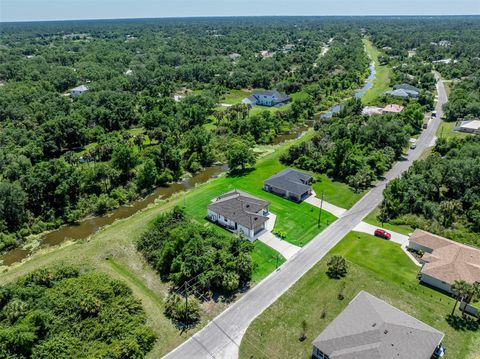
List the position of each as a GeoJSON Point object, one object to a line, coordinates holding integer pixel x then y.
{"type": "Point", "coordinates": [222, 336]}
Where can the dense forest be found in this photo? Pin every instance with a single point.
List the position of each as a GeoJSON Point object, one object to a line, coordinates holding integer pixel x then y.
{"type": "Point", "coordinates": [152, 111]}
{"type": "Point", "coordinates": [464, 100]}
{"type": "Point", "coordinates": [431, 42]}
{"type": "Point", "coordinates": [357, 149]}
{"type": "Point", "coordinates": [440, 194]}
{"type": "Point", "coordinates": [65, 313]}
{"type": "Point", "coordinates": [183, 251]}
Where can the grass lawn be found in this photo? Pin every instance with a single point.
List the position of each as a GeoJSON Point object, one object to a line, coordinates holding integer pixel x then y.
{"type": "Point", "coordinates": [399, 228]}
{"type": "Point", "coordinates": [382, 80]}
{"type": "Point", "coordinates": [266, 261]}
{"type": "Point", "coordinates": [445, 130]}
{"type": "Point", "coordinates": [376, 266]}
{"type": "Point", "coordinates": [337, 193]}
{"type": "Point", "coordinates": [234, 97]}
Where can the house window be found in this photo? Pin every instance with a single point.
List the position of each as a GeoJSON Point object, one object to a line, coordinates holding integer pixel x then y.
{"type": "Point", "coordinates": [320, 355]}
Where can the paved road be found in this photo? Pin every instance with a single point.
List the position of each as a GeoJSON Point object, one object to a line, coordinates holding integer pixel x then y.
{"type": "Point", "coordinates": [222, 336]}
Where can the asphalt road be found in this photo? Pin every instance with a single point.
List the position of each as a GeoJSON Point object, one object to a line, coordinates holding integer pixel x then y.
{"type": "Point", "coordinates": [222, 336]}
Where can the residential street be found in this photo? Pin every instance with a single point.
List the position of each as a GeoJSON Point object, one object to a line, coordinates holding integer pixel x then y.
{"type": "Point", "coordinates": [221, 338]}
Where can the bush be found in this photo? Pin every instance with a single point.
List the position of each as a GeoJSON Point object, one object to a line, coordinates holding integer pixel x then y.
{"type": "Point", "coordinates": [186, 312]}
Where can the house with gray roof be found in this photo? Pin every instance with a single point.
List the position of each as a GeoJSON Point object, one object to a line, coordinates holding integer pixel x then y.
{"type": "Point", "coordinates": [406, 87]}
{"type": "Point", "coordinates": [290, 183]}
{"type": "Point", "coordinates": [369, 328]}
{"type": "Point", "coordinates": [239, 212]}
{"type": "Point", "coordinates": [77, 91]}
{"type": "Point", "coordinates": [266, 98]}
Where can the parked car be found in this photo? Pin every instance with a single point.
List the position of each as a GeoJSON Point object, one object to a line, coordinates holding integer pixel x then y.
{"type": "Point", "coordinates": [413, 146]}
{"type": "Point", "coordinates": [382, 234]}
{"type": "Point", "coordinates": [425, 125]}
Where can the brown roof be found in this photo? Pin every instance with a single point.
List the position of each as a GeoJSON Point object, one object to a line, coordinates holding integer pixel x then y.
{"type": "Point", "coordinates": [241, 208]}
{"type": "Point", "coordinates": [393, 108]}
{"type": "Point", "coordinates": [449, 260]}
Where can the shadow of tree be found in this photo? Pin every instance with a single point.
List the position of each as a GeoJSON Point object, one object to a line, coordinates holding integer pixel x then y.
{"type": "Point", "coordinates": [463, 323]}
{"type": "Point", "coordinates": [239, 172]}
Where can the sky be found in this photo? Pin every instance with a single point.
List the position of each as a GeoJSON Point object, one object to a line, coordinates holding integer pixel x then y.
{"type": "Point", "coordinates": [30, 10]}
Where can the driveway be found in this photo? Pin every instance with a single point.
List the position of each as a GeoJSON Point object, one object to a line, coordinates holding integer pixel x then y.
{"type": "Point", "coordinates": [368, 228]}
{"type": "Point", "coordinates": [287, 250]}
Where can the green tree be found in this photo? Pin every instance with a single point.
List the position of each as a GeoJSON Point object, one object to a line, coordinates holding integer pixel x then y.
{"type": "Point", "coordinates": [461, 290]}
{"type": "Point", "coordinates": [240, 155]}
{"type": "Point", "coordinates": [124, 159]}
{"type": "Point", "coordinates": [147, 175]}
{"type": "Point", "coordinates": [337, 267]}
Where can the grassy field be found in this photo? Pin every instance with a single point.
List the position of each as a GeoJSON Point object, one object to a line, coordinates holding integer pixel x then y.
{"type": "Point", "coordinates": [382, 80]}
{"type": "Point", "coordinates": [234, 97]}
{"type": "Point", "coordinates": [376, 266]}
{"type": "Point", "coordinates": [336, 193]}
{"type": "Point", "coordinates": [445, 130]}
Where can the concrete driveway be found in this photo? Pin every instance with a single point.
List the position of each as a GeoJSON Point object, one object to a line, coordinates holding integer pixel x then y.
{"type": "Point", "coordinates": [287, 250]}
{"type": "Point", "coordinates": [336, 211]}
{"type": "Point", "coordinates": [370, 229]}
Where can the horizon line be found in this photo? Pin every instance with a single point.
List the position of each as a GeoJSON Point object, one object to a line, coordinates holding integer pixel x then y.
{"type": "Point", "coordinates": [236, 16]}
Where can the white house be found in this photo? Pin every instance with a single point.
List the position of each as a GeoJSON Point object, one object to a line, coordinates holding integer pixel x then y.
{"type": "Point", "coordinates": [445, 261]}
{"type": "Point", "coordinates": [239, 212]}
{"type": "Point", "coordinates": [472, 126]}
{"type": "Point", "coordinates": [266, 98]}
{"type": "Point", "coordinates": [77, 91]}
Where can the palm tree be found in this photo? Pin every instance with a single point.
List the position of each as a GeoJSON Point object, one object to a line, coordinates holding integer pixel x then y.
{"type": "Point", "coordinates": [461, 290]}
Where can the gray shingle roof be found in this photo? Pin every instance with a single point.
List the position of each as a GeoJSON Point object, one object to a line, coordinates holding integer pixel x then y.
{"type": "Point", "coordinates": [241, 208]}
{"type": "Point", "coordinates": [406, 87]}
{"type": "Point", "coordinates": [80, 88]}
{"type": "Point", "coordinates": [279, 96]}
{"type": "Point", "coordinates": [369, 328]}
{"type": "Point", "coordinates": [290, 180]}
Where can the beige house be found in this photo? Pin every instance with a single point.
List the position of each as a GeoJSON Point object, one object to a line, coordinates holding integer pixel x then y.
{"type": "Point", "coordinates": [445, 261]}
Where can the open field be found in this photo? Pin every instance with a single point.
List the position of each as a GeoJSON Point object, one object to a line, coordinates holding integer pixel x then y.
{"type": "Point", "coordinates": [382, 80]}
{"type": "Point", "coordinates": [234, 97]}
{"type": "Point", "coordinates": [377, 266]}
{"type": "Point", "coordinates": [336, 193]}
{"type": "Point", "coordinates": [446, 131]}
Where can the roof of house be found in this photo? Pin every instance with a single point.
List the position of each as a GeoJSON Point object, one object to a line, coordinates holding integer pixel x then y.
{"type": "Point", "coordinates": [279, 96]}
{"type": "Point", "coordinates": [449, 260]}
{"type": "Point", "coordinates": [472, 124]}
{"type": "Point", "coordinates": [406, 87]}
{"type": "Point", "coordinates": [80, 88]}
{"type": "Point", "coordinates": [393, 108]}
{"type": "Point", "coordinates": [372, 110]}
{"type": "Point", "coordinates": [290, 180]}
{"type": "Point", "coordinates": [241, 208]}
{"type": "Point", "coordinates": [369, 328]}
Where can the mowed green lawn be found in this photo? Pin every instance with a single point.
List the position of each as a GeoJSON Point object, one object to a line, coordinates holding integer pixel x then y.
{"type": "Point", "coordinates": [382, 79]}
{"type": "Point", "coordinates": [376, 266]}
{"type": "Point", "coordinates": [337, 193]}
{"type": "Point", "coordinates": [372, 218]}
{"type": "Point", "coordinates": [299, 220]}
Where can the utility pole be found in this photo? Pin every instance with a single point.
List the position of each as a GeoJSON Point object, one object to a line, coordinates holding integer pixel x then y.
{"type": "Point", "coordinates": [276, 263]}
{"type": "Point", "coordinates": [320, 211]}
{"type": "Point", "coordinates": [186, 303]}
{"type": "Point", "coordinates": [184, 204]}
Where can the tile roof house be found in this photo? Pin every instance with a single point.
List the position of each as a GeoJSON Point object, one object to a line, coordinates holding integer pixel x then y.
{"type": "Point", "coordinates": [289, 183]}
{"type": "Point", "coordinates": [369, 328]}
{"type": "Point", "coordinates": [445, 261]}
{"type": "Point", "coordinates": [393, 108]}
{"type": "Point", "coordinates": [77, 91]}
{"type": "Point", "coordinates": [239, 212]}
{"type": "Point", "coordinates": [266, 98]}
